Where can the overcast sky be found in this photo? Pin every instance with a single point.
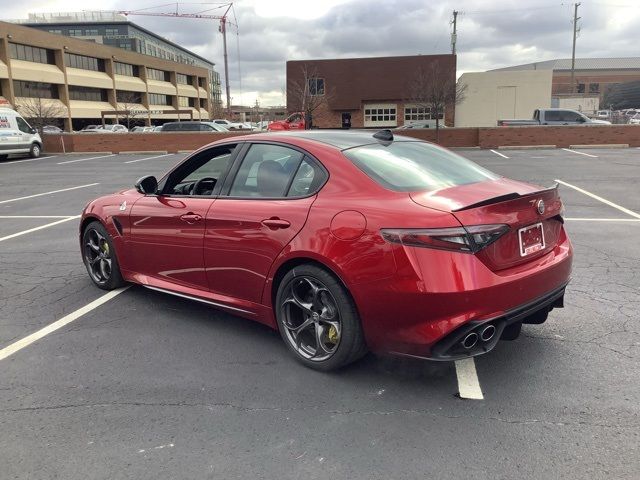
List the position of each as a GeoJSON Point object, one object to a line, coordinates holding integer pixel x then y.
{"type": "Point", "coordinates": [491, 33]}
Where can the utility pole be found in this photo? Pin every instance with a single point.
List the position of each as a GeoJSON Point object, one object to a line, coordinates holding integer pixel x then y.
{"type": "Point", "coordinates": [453, 33]}
{"type": "Point", "coordinates": [573, 51]}
{"type": "Point", "coordinates": [223, 30]}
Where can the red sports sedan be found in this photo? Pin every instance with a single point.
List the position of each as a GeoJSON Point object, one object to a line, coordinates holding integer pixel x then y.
{"type": "Point", "coordinates": [344, 242]}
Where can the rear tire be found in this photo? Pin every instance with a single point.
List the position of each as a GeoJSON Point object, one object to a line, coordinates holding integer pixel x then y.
{"type": "Point", "coordinates": [35, 150]}
{"type": "Point", "coordinates": [318, 320]}
{"type": "Point", "coordinates": [99, 256]}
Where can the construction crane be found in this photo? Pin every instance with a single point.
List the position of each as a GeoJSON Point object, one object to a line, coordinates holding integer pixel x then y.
{"type": "Point", "coordinates": [203, 14]}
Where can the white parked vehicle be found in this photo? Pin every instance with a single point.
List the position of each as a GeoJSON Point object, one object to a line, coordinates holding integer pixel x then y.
{"type": "Point", "coordinates": [229, 125]}
{"type": "Point", "coordinates": [635, 120]}
{"type": "Point", "coordinates": [17, 136]}
{"type": "Point", "coordinates": [115, 128]}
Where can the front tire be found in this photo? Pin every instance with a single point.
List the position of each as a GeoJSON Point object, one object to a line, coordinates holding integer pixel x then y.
{"type": "Point", "coordinates": [99, 257]}
{"type": "Point", "coordinates": [35, 150]}
{"type": "Point", "coordinates": [317, 319]}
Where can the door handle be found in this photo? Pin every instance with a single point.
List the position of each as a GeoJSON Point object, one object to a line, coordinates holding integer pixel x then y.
{"type": "Point", "coordinates": [190, 217]}
{"type": "Point", "coordinates": [275, 223]}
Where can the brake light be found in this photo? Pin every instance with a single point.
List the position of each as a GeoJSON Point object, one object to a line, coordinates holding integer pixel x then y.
{"type": "Point", "coordinates": [460, 239]}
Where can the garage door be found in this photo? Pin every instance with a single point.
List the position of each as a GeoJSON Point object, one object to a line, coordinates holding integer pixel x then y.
{"type": "Point", "coordinates": [380, 115]}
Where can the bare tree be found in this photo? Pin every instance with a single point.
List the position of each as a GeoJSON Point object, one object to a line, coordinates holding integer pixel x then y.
{"type": "Point", "coordinates": [434, 89]}
{"type": "Point", "coordinates": [41, 111]}
{"type": "Point", "coordinates": [129, 105]}
{"type": "Point", "coordinates": [308, 93]}
{"type": "Point", "coordinates": [216, 110]}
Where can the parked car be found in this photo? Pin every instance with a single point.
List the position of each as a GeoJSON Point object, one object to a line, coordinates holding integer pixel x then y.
{"type": "Point", "coordinates": [419, 125]}
{"type": "Point", "coordinates": [17, 136]}
{"type": "Point", "coordinates": [141, 129]}
{"type": "Point", "coordinates": [51, 129]}
{"type": "Point", "coordinates": [114, 128]}
{"type": "Point", "coordinates": [192, 126]}
{"type": "Point", "coordinates": [228, 125]}
{"type": "Point", "coordinates": [89, 128]}
{"type": "Point", "coordinates": [554, 116]}
{"type": "Point", "coordinates": [435, 257]}
{"type": "Point", "coordinates": [603, 114]}
{"type": "Point", "coordinates": [635, 120]}
{"type": "Point", "coordinates": [295, 121]}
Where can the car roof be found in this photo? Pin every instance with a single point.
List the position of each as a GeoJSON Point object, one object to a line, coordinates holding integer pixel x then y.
{"type": "Point", "coordinates": [341, 139]}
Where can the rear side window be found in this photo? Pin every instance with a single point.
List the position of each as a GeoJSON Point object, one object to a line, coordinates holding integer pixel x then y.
{"type": "Point", "coordinates": [416, 166]}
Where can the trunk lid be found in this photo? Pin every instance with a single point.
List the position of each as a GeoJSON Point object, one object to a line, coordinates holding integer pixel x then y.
{"type": "Point", "coordinates": [507, 202]}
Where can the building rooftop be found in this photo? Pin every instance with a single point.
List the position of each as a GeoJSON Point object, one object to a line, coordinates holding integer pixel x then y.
{"type": "Point", "coordinates": [621, 63]}
{"type": "Point", "coordinates": [94, 17]}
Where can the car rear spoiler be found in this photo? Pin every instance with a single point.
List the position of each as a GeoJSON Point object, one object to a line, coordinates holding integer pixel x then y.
{"type": "Point", "coordinates": [504, 198]}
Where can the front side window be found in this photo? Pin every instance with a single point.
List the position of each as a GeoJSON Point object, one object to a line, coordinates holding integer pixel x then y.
{"type": "Point", "coordinates": [416, 166]}
{"type": "Point", "coordinates": [201, 173]}
{"type": "Point", "coordinates": [23, 126]}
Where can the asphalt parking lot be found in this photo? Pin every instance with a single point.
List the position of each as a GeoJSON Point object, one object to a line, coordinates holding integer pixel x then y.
{"type": "Point", "coordinates": [149, 386]}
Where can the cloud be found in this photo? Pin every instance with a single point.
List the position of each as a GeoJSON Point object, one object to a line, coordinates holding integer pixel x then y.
{"type": "Point", "coordinates": [491, 33]}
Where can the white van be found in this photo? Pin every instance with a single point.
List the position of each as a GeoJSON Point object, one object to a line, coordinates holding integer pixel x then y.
{"type": "Point", "coordinates": [17, 136]}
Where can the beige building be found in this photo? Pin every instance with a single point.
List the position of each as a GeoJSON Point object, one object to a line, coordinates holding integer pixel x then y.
{"type": "Point", "coordinates": [83, 82]}
{"type": "Point", "coordinates": [495, 95]}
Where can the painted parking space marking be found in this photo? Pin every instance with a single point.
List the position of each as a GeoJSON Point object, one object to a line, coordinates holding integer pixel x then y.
{"type": "Point", "coordinates": [603, 200]}
{"type": "Point", "coordinates": [43, 332]}
{"type": "Point", "coordinates": [468, 383]}
{"type": "Point", "coordinates": [11, 162]}
{"type": "Point", "coordinates": [500, 154]}
{"type": "Point", "coordinates": [149, 158]}
{"type": "Point", "coordinates": [49, 193]}
{"type": "Point", "coordinates": [85, 159]}
{"type": "Point", "coordinates": [35, 216]}
{"type": "Point", "coordinates": [576, 219]}
{"type": "Point", "coordinates": [580, 153]}
{"type": "Point", "coordinates": [35, 229]}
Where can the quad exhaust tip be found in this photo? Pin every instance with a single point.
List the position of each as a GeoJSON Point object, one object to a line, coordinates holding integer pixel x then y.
{"type": "Point", "coordinates": [470, 340]}
{"type": "Point", "coordinates": [487, 333]}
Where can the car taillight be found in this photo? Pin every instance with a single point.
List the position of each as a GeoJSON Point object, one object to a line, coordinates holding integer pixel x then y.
{"type": "Point", "coordinates": [460, 239]}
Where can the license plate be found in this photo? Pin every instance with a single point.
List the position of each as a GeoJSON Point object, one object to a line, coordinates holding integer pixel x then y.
{"type": "Point", "coordinates": [531, 239]}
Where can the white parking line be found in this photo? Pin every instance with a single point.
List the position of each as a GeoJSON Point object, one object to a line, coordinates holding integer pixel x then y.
{"type": "Point", "coordinates": [48, 193]}
{"type": "Point", "coordinates": [468, 383]}
{"type": "Point", "coordinates": [501, 154]}
{"type": "Point", "coordinates": [603, 200]}
{"type": "Point", "coordinates": [602, 219]}
{"type": "Point", "coordinates": [36, 216]}
{"type": "Point", "coordinates": [580, 153]}
{"type": "Point", "coordinates": [149, 158]}
{"type": "Point", "coordinates": [28, 340]}
{"type": "Point", "coordinates": [27, 160]}
{"type": "Point", "coordinates": [86, 159]}
{"type": "Point", "coordinates": [41, 227]}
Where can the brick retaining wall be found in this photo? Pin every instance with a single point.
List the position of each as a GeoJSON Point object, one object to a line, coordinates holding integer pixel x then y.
{"type": "Point", "coordinates": [562, 136]}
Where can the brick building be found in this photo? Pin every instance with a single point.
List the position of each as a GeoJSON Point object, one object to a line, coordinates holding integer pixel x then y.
{"type": "Point", "coordinates": [367, 92]}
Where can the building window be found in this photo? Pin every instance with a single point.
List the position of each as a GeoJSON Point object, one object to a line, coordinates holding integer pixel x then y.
{"type": "Point", "coordinates": [23, 88]}
{"type": "Point", "coordinates": [414, 113]}
{"type": "Point", "coordinates": [159, 99]}
{"type": "Point", "coordinates": [186, 102]}
{"type": "Point", "coordinates": [85, 63]}
{"type": "Point", "coordinates": [126, 69]}
{"type": "Point", "coordinates": [316, 86]}
{"type": "Point", "coordinates": [202, 103]}
{"type": "Point", "coordinates": [184, 79]}
{"type": "Point", "coordinates": [75, 32]}
{"type": "Point", "coordinates": [31, 54]}
{"type": "Point", "coordinates": [91, 32]}
{"type": "Point", "coordinates": [379, 115]}
{"type": "Point", "coordinates": [580, 88]}
{"type": "Point", "coordinates": [126, 96]}
{"type": "Point", "coordinates": [594, 88]}
{"type": "Point", "coordinates": [87, 94]}
{"type": "Point", "coordinates": [160, 75]}
{"type": "Point", "coordinates": [58, 32]}
{"type": "Point", "coordinates": [111, 31]}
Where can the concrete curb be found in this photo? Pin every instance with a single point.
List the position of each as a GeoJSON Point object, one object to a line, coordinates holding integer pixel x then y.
{"type": "Point", "coordinates": [525, 147]}
{"type": "Point", "coordinates": [604, 145]}
{"type": "Point", "coordinates": [464, 148]}
{"type": "Point", "coordinates": [84, 153]}
{"type": "Point", "coordinates": [143, 152]}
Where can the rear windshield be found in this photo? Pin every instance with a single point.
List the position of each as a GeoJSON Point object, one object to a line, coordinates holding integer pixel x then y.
{"type": "Point", "coordinates": [416, 166]}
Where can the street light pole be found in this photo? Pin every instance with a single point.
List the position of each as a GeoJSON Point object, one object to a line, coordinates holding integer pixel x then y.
{"type": "Point", "coordinates": [573, 51]}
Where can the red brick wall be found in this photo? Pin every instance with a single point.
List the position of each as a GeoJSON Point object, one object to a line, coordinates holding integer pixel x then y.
{"type": "Point", "coordinates": [492, 137]}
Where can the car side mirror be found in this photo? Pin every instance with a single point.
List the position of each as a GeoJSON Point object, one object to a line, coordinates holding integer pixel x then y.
{"type": "Point", "coordinates": [33, 130]}
{"type": "Point", "coordinates": [147, 185]}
